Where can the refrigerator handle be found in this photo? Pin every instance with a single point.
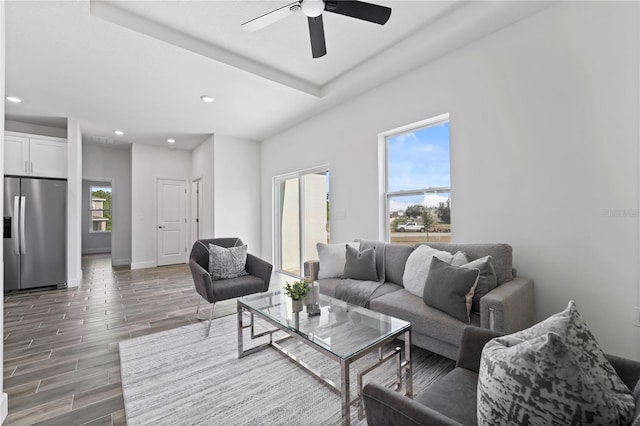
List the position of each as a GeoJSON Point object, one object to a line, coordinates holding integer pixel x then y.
{"type": "Point", "coordinates": [23, 244]}
{"type": "Point", "coordinates": [14, 225]}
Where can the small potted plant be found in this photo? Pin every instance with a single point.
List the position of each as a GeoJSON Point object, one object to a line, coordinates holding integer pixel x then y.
{"type": "Point", "coordinates": [296, 290]}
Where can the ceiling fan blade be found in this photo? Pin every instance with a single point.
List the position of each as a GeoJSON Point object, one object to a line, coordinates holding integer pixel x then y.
{"type": "Point", "coordinates": [316, 32]}
{"type": "Point", "coordinates": [271, 17]}
{"type": "Point", "coordinates": [360, 10]}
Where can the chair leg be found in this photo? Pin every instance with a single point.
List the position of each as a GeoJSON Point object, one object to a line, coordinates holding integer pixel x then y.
{"type": "Point", "coordinates": [198, 308]}
{"type": "Point", "coordinates": [210, 319]}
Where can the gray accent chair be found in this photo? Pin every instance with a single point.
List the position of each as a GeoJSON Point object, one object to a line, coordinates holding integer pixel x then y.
{"type": "Point", "coordinates": [452, 399]}
{"type": "Point", "coordinates": [257, 280]}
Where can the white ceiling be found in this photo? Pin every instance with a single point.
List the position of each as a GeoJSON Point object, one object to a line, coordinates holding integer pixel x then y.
{"type": "Point", "coordinates": [141, 66]}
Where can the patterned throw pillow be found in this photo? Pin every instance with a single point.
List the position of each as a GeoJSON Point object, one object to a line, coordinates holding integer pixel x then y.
{"type": "Point", "coordinates": [553, 373]}
{"type": "Point", "coordinates": [225, 263]}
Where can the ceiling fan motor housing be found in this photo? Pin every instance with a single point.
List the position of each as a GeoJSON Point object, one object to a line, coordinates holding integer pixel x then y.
{"type": "Point", "coordinates": [312, 8]}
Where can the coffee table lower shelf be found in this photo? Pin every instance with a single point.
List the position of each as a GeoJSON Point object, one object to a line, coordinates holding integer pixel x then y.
{"type": "Point", "coordinates": [344, 388]}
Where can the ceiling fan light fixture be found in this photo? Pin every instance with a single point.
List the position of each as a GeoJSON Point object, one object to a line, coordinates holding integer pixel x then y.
{"type": "Point", "coordinates": [312, 8]}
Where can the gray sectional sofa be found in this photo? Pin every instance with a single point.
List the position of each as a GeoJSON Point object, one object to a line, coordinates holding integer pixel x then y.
{"type": "Point", "coordinates": [507, 308]}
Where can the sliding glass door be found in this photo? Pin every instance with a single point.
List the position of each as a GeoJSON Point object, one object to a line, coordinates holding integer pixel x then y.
{"type": "Point", "coordinates": [301, 218]}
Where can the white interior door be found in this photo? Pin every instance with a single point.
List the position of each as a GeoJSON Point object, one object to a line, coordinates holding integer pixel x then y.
{"type": "Point", "coordinates": [172, 221]}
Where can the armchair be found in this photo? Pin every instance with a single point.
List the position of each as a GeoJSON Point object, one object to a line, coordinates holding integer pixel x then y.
{"type": "Point", "coordinates": [452, 399]}
{"type": "Point", "coordinates": [257, 280]}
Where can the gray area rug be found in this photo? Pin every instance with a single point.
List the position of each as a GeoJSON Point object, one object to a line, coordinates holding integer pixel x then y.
{"type": "Point", "coordinates": [179, 377]}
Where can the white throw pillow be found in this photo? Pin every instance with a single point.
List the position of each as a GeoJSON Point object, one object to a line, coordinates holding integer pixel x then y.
{"type": "Point", "coordinates": [332, 259]}
{"type": "Point", "coordinates": [417, 267]}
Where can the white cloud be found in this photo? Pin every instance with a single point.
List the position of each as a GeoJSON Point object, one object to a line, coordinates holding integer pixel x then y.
{"type": "Point", "coordinates": [434, 200]}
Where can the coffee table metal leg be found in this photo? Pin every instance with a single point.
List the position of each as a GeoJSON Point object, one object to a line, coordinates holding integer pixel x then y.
{"type": "Point", "coordinates": [346, 397]}
{"type": "Point", "coordinates": [407, 364]}
{"type": "Point", "coordinates": [240, 328]}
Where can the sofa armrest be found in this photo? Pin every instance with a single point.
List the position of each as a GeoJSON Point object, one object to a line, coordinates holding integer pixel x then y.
{"type": "Point", "coordinates": [471, 346]}
{"type": "Point", "coordinates": [201, 280]}
{"type": "Point", "coordinates": [311, 267]}
{"type": "Point", "coordinates": [509, 307]}
{"type": "Point", "coordinates": [385, 407]}
{"type": "Point", "coordinates": [259, 268]}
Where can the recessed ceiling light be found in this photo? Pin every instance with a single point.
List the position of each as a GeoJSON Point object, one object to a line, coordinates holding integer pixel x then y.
{"type": "Point", "coordinates": [119, 132]}
{"type": "Point", "coordinates": [207, 99]}
{"type": "Point", "coordinates": [171, 140]}
{"type": "Point", "coordinates": [14, 99]}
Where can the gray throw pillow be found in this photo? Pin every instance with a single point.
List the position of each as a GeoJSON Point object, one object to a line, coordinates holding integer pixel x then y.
{"type": "Point", "coordinates": [360, 265]}
{"type": "Point", "coordinates": [225, 263]}
{"type": "Point", "coordinates": [553, 373]}
{"type": "Point", "coordinates": [486, 281]}
{"type": "Point", "coordinates": [450, 289]}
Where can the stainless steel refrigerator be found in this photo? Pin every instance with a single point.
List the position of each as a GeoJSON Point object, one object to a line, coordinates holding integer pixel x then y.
{"type": "Point", "coordinates": [35, 233]}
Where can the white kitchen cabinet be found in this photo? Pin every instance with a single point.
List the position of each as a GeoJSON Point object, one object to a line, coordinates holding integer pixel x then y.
{"type": "Point", "coordinates": [30, 155]}
{"type": "Point", "coordinates": [16, 155]}
{"type": "Point", "coordinates": [48, 158]}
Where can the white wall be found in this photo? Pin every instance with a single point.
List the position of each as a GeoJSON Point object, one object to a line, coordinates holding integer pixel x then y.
{"type": "Point", "coordinates": [148, 164]}
{"type": "Point", "coordinates": [237, 190]}
{"type": "Point", "coordinates": [74, 202]}
{"type": "Point", "coordinates": [202, 161]}
{"type": "Point", "coordinates": [4, 401]}
{"type": "Point", "coordinates": [35, 129]}
{"type": "Point", "coordinates": [114, 165]}
{"type": "Point", "coordinates": [544, 153]}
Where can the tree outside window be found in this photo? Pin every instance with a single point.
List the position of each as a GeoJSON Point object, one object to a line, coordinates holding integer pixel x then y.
{"type": "Point", "coordinates": [100, 209]}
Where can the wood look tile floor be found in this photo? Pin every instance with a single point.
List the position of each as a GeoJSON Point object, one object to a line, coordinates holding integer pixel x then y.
{"type": "Point", "coordinates": [61, 360]}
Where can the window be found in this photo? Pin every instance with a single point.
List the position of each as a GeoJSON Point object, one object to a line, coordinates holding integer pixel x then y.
{"type": "Point", "coordinates": [301, 218]}
{"type": "Point", "coordinates": [100, 206]}
{"type": "Point", "coordinates": [418, 182]}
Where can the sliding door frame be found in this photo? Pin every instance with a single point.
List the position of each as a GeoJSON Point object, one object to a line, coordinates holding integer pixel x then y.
{"type": "Point", "coordinates": [277, 217]}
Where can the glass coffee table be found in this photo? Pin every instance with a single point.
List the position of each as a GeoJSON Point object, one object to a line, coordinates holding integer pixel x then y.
{"type": "Point", "coordinates": [342, 332]}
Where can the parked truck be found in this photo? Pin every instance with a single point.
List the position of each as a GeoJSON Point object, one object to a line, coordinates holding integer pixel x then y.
{"type": "Point", "coordinates": [410, 227]}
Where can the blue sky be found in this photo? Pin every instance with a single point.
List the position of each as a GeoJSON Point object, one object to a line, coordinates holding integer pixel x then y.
{"type": "Point", "coordinates": [419, 159]}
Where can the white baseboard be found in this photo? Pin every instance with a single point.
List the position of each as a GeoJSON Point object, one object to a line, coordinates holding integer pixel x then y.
{"type": "Point", "coordinates": [143, 265]}
{"type": "Point", "coordinates": [4, 408]}
{"type": "Point", "coordinates": [120, 262]}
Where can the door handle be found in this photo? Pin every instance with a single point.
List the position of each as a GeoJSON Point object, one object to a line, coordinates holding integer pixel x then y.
{"type": "Point", "coordinates": [14, 225]}
{"type": "Point", "coordinates": [160, 226]}
{"type": "Point", "coordinates": [23, 243]}
{"type": "Point", "coordinates": [31, 167]}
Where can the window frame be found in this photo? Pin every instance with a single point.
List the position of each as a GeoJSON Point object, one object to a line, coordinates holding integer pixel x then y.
{"type": "Point", "coordinates": [91, 209]}
{"type": "Point", "coordinates": [386, 195]}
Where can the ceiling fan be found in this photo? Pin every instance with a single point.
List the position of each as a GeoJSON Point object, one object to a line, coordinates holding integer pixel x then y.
{"type": "Point", "coordinates": [313, 9]}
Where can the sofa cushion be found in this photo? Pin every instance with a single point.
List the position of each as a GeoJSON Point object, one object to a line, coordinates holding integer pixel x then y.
{"type": "Point", "coordinates": [423, 318]}
{"type": "Point", "coordinates": [417, 268]}
{"type": "Point", "coordinates": [395, 258]}
{"type": "Point", "coordinates": [360, 265]}
{"type": "Point", "coordinates": [501, 256]}
{"type": "Point", "coordinates": [332, 259]}
{"type": "Point", "coordinates": [450, 288]}
{"type": "Point", "coordinates": [453, 395]}
{"type": "Point", "coordinates": [487, 280]}
{"type": "Point", "coordinates": [551, 373]}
